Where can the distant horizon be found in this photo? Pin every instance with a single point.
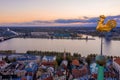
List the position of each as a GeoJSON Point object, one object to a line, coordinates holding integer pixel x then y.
{"type": "Point", "coordinates": [50, 27]}
{"type": "Point", "coordinates": [84, 22]}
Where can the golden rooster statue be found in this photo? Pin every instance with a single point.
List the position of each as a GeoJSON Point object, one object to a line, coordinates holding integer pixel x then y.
{"type": "Point", "coordinates": [105, 27]}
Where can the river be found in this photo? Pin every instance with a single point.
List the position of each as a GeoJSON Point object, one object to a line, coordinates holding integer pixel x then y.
{"type": "Point", "coordinates": [84, 47]}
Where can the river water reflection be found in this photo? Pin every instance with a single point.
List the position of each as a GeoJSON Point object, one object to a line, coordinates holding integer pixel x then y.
{"type": "Point", "coordinates": [84, 47]}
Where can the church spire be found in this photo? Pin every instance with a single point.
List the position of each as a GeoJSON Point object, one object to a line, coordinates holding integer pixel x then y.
{"type": "Point", "coordinates": [64, 54]}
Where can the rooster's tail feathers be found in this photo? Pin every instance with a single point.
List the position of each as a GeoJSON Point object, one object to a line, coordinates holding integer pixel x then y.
{"type": "Point", "coordinates": [111, 23]}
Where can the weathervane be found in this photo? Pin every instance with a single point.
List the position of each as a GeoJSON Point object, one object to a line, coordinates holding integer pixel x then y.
{"type": "Point", "coordinates": [101, 27]}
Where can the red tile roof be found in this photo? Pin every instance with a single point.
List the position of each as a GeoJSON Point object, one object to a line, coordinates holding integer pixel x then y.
{"type": "Point", "coordinates": [47, 63]}
{"type": "Point", "coordinates": [49, 78]}
{"type": "Point", "coordinates": [79, 72]}
{"type": "Point", "coordinates": [117, 60]}
{"type": "Point", "coordinates": [2, 63]}
{"type": "Point", "coordinates": [75, 62]}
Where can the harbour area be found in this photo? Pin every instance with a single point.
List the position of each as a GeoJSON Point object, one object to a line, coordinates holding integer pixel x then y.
{"type": "Point", "coordinates": [73, 33]}
{"type": "Point", "coordinates": [7, 34]}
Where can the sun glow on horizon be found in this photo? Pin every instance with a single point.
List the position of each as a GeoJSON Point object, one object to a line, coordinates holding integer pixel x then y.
{"type": "Point", "coordinates": [19, 11]}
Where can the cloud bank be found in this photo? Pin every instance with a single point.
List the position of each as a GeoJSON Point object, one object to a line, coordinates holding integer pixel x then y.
{"type": "Point", "coordinates": [85, 21]}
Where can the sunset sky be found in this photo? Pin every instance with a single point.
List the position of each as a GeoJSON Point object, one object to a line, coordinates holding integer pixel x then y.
{"type": "Point", "coordinates": [56, 12]}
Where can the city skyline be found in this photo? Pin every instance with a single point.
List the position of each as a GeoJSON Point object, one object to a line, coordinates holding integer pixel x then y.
{"type": "Point", "coordinates": [56, 12]}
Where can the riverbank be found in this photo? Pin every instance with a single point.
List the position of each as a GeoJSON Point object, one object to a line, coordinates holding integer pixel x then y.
{"type": "Point", "coordinates": [71, 38]}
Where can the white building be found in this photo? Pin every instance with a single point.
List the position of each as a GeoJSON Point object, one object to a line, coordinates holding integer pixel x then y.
{"type": "Point", "coordinates": [39, 34]}
{"type": "Point", "coordinates": [48, 58]}
{"type": "Point", "coordinates": [116, 65]}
